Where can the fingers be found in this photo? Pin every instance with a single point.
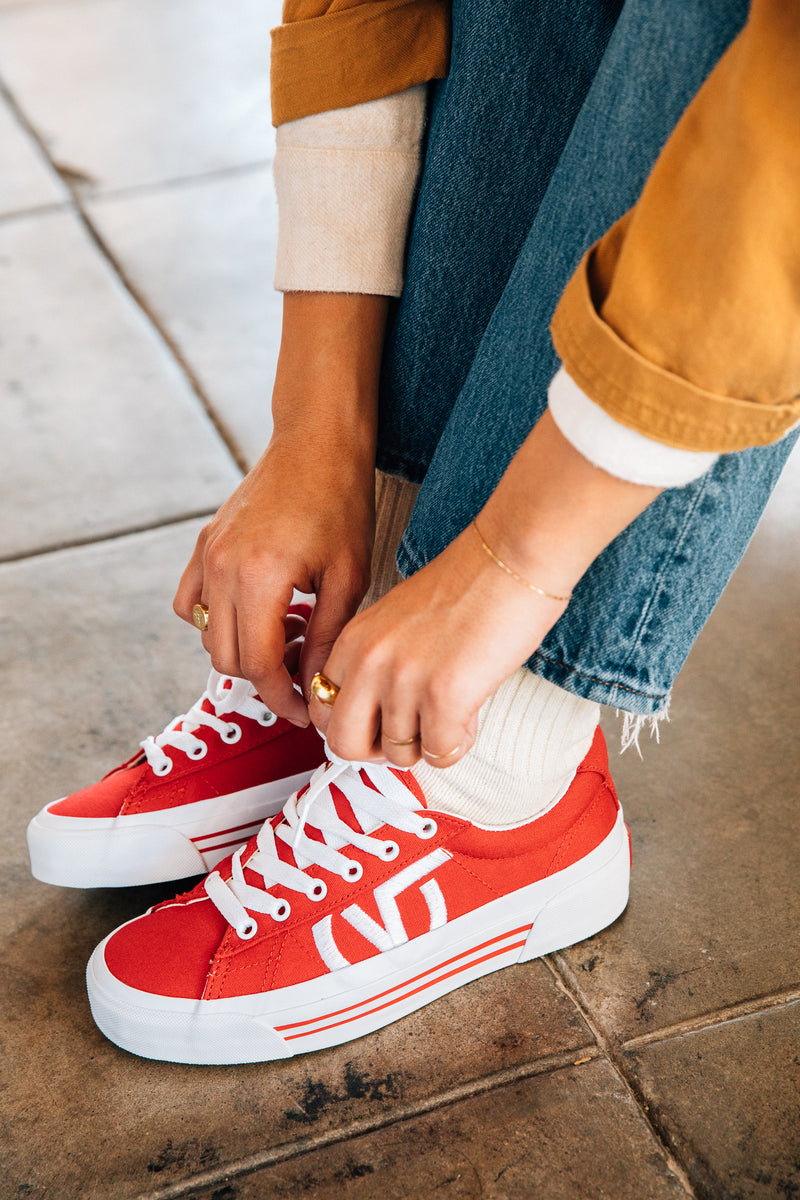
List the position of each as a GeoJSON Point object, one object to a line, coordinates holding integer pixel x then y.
{"type": "Point", "coordinates": [258, 643]}
{"type": "Point", "coordinates": [392, 712]}
{"type": "Point", "coordinates": [191, 584]}
{"type": "Point", "coordinates": [262, 631]}
{"type": "Point", "coordinates": [400, 725]}
{"type": "Point", "coordinates": [338, 598]}
{"type": "Point", "coordinates": [444, 741]}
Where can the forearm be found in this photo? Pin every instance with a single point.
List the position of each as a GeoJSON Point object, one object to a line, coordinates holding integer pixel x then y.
{"type": "Point", "coordinates": [326, 384]}
{"type": "Point", "coordinates": [553, 512]}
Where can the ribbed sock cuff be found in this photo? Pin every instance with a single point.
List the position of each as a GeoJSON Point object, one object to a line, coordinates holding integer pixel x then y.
{"type": "Point", "coordinates": [532, 736]}
{"type": "Point", "coordinates": [394, 500]}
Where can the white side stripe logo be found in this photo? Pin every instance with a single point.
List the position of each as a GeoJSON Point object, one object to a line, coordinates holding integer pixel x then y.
{"type": "Point", "coordinates": [392, 932]}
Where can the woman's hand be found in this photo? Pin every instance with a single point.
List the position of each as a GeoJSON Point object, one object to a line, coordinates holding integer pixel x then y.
{"type": "Point", "coordinates": [283, 528]}
{"type": "Point", "coordinates": [304, 516]}
{"type": "Point", "coordinates": [421, 662]}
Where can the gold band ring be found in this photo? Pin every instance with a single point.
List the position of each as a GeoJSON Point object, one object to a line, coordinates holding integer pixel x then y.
{"type": "Point", "coordinates": [400, 742]}
{"type": "Point", "coordinates": [324, 689]}
{"type": "Point", "coordinates": [430, 754]}
{"type": "Point", "coordinates": [200, 617]}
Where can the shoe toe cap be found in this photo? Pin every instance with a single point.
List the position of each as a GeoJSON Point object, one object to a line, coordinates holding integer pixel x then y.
{"type": "Point", "coordinates": [168, 951]}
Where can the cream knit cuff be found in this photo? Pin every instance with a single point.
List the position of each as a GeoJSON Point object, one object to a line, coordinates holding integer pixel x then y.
{"type": "Point", "coordinates": [345, 183]}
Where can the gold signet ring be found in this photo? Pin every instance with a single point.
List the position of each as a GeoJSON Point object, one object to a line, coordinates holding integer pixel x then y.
{"type": "Point", "coordinates": [324, 689]}
{"type": "Point", "coordinates": [200, 617]}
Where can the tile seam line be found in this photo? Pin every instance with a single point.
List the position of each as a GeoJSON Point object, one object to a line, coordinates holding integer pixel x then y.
{"type": "Point", "coordinates": [89, 195]}
{"type": "Point", "coordinates": [716, 1018]}
{"type": "Point", "coordinates": [626, 1077]}
{"type": "Point", "coordinates": [405, 1112]}
{"type": "Point", "coordinates": [223, 432]}
{"type": "Point", "coordinates": [36, 210]}
{"type": "Point", "coordinates": [104, 539]}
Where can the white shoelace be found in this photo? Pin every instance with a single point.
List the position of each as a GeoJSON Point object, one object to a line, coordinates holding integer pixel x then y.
{"type": "Point", "coordinates": [226, 695]}
{"type": "Point", "coordinates": [393, 805]}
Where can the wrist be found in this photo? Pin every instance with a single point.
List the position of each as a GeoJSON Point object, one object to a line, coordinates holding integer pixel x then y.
{"type": "Point", "coordinates": [553, 512]}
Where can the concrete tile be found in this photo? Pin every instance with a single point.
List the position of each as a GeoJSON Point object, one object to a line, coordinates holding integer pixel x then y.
{"type": "Point", "coordinates": [129, 92]}
{"type": "Point", "coordinates": [573, 1133]}
{"type": "Point", "coordinates": [26, 179]}
{"type": "Point", "coordinates": [94, 660]}
{"type": "Point", "coordinates": [99, 430]}
{"type": "Point", "coordinates": [203, 256]}
{"type": "Point", "coordinates": [715, 902]}
{"type": "Point", "coordinates": [726, 1098]}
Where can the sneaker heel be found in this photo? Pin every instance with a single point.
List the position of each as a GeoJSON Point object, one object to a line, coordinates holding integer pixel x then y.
{"type": "Point", "coordinates": [585, 907]}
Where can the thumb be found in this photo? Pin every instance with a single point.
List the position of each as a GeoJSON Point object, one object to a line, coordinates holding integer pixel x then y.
{"type": "Point", "coordinates": [334, 608]}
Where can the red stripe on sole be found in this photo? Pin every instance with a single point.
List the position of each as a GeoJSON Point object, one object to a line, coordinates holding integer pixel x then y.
{"type": "Point", "coordinates": [430, 971]}
{"type": "Point", "coordinates": [239, 841]}
{"type": "Point", "coordinates": [431, 982]}
{"type": "Point", "coordinates": [221, 832]}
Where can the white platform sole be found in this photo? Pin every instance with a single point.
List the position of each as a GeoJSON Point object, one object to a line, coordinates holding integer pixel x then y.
{"type": "Point", "coordinates": [92, 852]}
{"type": "Point", "coordinates": [548, 915]}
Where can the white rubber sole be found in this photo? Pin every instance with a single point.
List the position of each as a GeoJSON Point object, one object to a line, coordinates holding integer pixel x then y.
{"type": "Point", "coordinates": [548, 915]}
{"type": "Point", "coordinates": [92, 852]}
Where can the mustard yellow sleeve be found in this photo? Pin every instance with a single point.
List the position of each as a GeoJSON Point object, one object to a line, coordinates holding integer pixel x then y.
{"type": "Point", "coordinates": [331, 54]}
{"type": "Point", "coordinates": [683, 322]}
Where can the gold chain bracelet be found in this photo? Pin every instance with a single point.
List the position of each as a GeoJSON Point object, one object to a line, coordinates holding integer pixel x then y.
{"type": "Point", "coordinates": [530, 586]}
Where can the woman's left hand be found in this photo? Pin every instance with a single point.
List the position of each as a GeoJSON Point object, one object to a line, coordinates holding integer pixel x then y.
{"type": "Point", "coordinates": [414, 669]}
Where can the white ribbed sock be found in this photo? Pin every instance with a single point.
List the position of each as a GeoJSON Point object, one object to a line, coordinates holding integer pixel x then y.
{"type": "Point", "coordinates": [532, 735]}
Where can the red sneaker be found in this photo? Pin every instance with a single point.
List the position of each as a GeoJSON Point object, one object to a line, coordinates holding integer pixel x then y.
{"type": "Point", "coordinates": [184, 801]}
{"type": "Point", "coordinates": [356, 907]}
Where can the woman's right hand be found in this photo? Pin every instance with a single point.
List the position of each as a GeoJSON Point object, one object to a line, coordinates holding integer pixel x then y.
{"type": "Point", "coordinates": [304, 515]}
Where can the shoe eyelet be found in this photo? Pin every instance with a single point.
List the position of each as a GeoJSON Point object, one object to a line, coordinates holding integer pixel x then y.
{"type": "Point", "coordinates": [354, 872]}
{"type": "Point", "coordinates": [232, 733]}
{"type": "Point", "coordinates": [267, 718]}
{"type": "Point", "coordinates": [428, 829]}
{"type": "Point", "coordinates": [389, 850]}
{"type": "Point", "coordinates": [248, 930]}
{"type": "Point", "coordinates": [199, 751]}
{"type": "Point", "coordinates": [163, 768]}
{"type": "Point", "coordinates": [281, 910]}
{"type": "Point", "coordinates": [319, 890]}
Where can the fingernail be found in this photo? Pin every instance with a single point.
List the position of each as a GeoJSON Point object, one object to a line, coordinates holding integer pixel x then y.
{"type": "Point", "coordinates": [300, 724]}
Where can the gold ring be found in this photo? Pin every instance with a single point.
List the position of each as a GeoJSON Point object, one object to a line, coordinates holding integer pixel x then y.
{"type": "Point", "coordinates": [430, 754]}
{"type": "Point", "coordinates": [200, 617]}
{"type": "Point", "coordinates": [396, 742]}
{"type": "Point", "coordinates": [324, 689]}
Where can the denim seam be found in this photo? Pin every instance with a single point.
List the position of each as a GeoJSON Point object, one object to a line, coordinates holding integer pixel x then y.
{"type": "Point", "coordinates": [676, 545]}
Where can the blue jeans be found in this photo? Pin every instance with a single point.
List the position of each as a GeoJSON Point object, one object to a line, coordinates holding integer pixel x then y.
{"type": "Point", "coordinates": [541, 136]}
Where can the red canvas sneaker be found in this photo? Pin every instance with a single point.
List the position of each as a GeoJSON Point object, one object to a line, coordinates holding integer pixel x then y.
{"type": "Point", "coordinates": [356, 906]}
{"type": "Point", "coordinates": [181, 803]}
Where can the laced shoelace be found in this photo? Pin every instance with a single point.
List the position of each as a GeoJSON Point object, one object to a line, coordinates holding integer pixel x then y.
{"type": "Point", "coordinates": [393, 805]}
{"type": "Point", "coordinates": [226, 695]}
